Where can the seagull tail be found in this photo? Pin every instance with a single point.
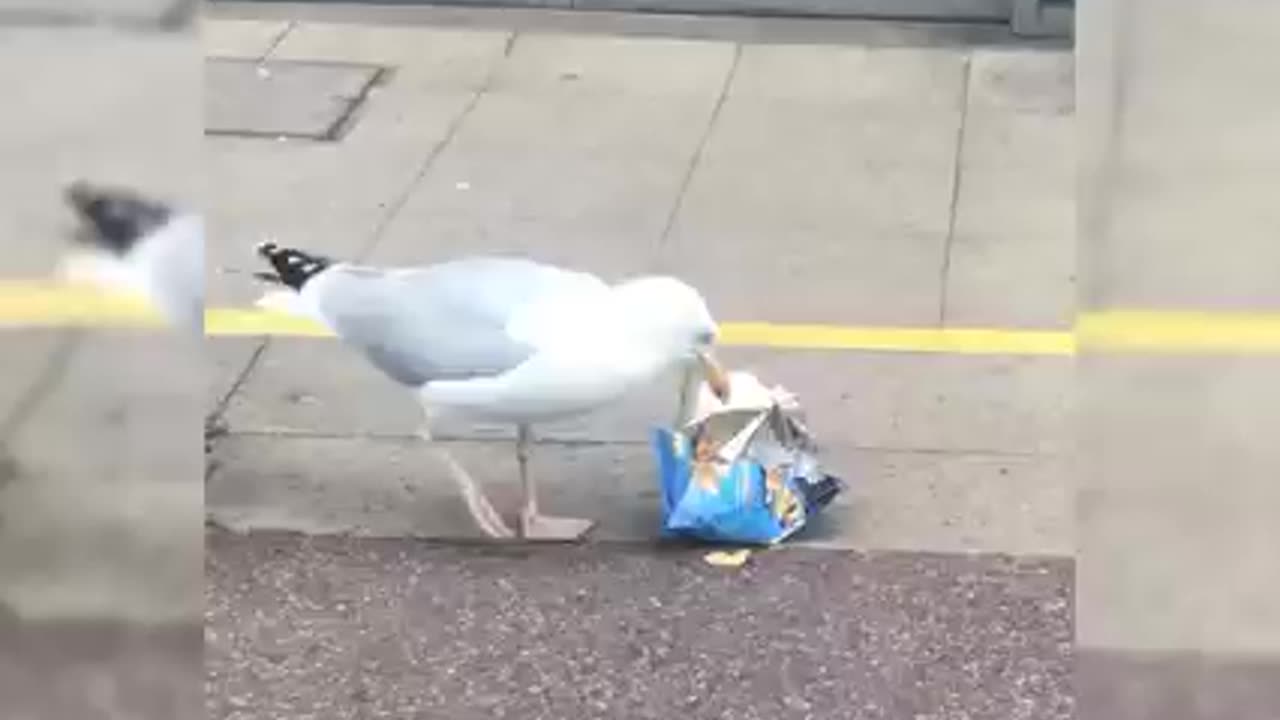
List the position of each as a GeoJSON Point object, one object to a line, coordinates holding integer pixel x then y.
{"type": "Point", "coordinates": [292, 267]}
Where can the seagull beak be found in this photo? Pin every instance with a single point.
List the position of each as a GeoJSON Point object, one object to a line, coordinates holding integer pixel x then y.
{"type": "Point", "coordinates": [717, 378]}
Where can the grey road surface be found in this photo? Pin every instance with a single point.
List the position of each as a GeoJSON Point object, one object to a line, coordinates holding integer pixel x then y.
{"type": "Point", "coordinates": [327, 627]}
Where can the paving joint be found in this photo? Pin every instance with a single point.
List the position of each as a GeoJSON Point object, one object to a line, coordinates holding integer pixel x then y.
{"type": "Point", "coordinates": [1030, 18]}
{"type": "Point", "coordinates": [42, 386]}
{"type": "Point", "coordinates": [522, 548]}
{"type": "Point", "coordinates": [215, 424]}
{"type": "Point", "coordinates": [343, 120]}
{"type": "Point", "coordinates": [457, 439]}
{"type": "Point", "coordinates": [455, 126]}
{"type": "Point", "coordinates": [957, 177]}
{"type": "Point", "coordinates": [277, 41]}
{"type": "Point", "coordinates": [509, 46]}
{"type": "Point", "coordinates": [177, 16]}
{"type": "Point", "coordinates": [718, 28]}
{"type": "Point", "coordinates": [696, 159]}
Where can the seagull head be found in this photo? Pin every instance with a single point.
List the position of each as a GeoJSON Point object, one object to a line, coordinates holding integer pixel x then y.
{"type": "Point", "coordinates": [673, 317]}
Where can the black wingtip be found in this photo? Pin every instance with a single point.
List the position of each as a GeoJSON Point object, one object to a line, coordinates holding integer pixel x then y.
{"type": "Point", "coordinates": [293, 267]}
{"type": "Point", "coordinates": [114, 218]}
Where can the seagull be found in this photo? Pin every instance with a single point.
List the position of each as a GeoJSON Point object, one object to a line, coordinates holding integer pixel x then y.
{"type": "Point", "coordinates": [127, 242]}
{"type": "Point", "coordinates": [502, 339]}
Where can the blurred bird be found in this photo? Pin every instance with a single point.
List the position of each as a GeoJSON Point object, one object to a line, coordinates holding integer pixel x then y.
{"type": "Point", "coordinates": [136, 245]}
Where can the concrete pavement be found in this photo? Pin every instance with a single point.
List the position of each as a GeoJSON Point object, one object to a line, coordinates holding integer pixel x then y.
{"type": "Point", "coordinates": [1177, 551]}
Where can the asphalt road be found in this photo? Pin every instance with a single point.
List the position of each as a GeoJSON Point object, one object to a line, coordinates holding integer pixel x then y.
{"type": "Point", "coordinates": [361, 628]}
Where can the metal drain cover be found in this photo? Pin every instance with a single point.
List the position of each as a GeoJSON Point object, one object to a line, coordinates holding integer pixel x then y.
{"type": "Point", "coordinates": [283, 98]}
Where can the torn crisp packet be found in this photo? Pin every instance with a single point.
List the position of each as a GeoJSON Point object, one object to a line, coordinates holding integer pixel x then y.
{"type": "Point", "coordinates": [742, 472]}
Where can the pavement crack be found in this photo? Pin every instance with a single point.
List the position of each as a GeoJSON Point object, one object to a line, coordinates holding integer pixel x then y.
{"type": "Point", "coordinates": [277, 41]}
{"type": "Point", "coordinates": [45, 383]}
{"type": "Point", "coordinates": [695, 160]}
{"type": "Point", "coordinates": [957, 171]}
{"type": "Point", "coordinates": [402, 199]}
{"type": "Point", "coordinates": [214, 425]}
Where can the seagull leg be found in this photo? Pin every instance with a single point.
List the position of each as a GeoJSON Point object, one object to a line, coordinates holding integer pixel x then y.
{"type": "Point", "coordinates": [482, 511]}
{"type": "Point", "coordinates": [534, 525]}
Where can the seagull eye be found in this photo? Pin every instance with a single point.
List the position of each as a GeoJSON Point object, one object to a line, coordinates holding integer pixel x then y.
{"type": "Point", "coordinates": [706, 337]}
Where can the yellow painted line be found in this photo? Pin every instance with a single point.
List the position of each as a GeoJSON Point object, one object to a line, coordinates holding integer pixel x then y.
{"type": "Point", "coordinates": [37, 304]}
{"type": "Point", "coordinates": [984, 341]}
{"type": "Point", "coordinates": [1111, 331]}
{"type": "Point", "coordinates": [45, 305]}
{"type": "Point", "coordinates": [229, 321]}
{"type": "Point", "coordinates": [252, 321]}
{"type": "Point", "coordinates": [1183, 332]}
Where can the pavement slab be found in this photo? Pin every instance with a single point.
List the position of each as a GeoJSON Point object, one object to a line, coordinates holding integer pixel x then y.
{"type": "Point", "coordinates": [433, 58]}
{"type": "Point", "coordinates": [101, 516]}
{"type": "Point", "coordinates": [341, 627]}
{"type": "Point", "coordinates": [1214, 186]}
{"type": "Point", "coordinates": [1179, 463]}
{"type": "Point", "coordinates": [1175, 685]}
{"type": "Point", "coordinates": [837, 187]}
{"type": "Point", "coordinates": [228, 362]}
{"type": "Point", "coordinates": [396, 486]}
{"type": "Point", "coordinates": [31, 365]}
{"type": "Point", "coordinates": [577, 64]}
{"type": "Point", "coordinates": [944, 452]}
{"type": "Point", "coordinates": [96, 669]}
{"type": "Point", "coordinates": [251, 39]}
{"type": "Point", "coordinates": [349, 188]}
{"type": "Point", "coordinates": [1177, 474]}
{"type": "Point", "coordinates": [997, 404]}
{"type": "Point", "coordinates": [134, 125]}
{"type": "Point", "coordinates": [617, 122]}
{"type": "Point", "coordinates": [1011, 259]}
{"type": "Point", "coordinates": [284, 100]}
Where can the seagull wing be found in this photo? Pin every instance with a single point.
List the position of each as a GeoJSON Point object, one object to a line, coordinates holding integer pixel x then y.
{"type": "Point", "coordinates": [469, 318]}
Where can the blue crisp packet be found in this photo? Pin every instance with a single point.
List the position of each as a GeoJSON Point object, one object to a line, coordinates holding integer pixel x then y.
{"type": "Point", "coordinates": [743, 501]}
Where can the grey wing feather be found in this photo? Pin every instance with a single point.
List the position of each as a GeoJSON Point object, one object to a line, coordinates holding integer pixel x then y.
{"type": "Point", "coordinates": [445, 321]}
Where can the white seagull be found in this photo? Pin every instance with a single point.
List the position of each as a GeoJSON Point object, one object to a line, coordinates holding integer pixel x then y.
{"type": "Point", "coordinates": [140, 246]}
{"type": "Point", "coordinates": [503, 340]}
